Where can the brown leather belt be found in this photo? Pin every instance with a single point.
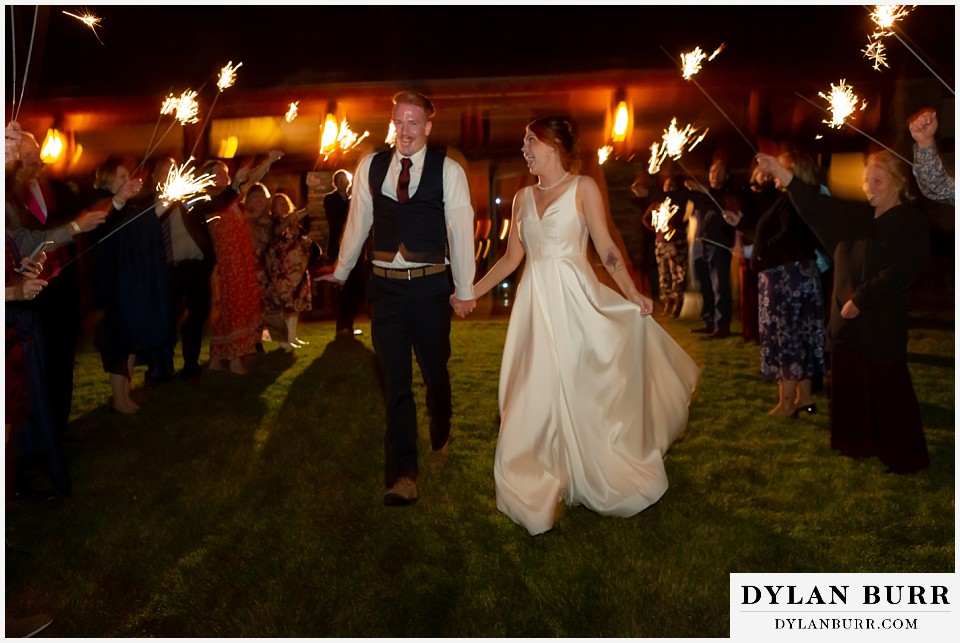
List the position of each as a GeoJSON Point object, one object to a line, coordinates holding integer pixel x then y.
{"type": "Point", "coordinates": [407, 275]}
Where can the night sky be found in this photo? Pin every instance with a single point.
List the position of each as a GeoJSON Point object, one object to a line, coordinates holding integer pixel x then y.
{"type": "Point", "coordinates": [157, 48]}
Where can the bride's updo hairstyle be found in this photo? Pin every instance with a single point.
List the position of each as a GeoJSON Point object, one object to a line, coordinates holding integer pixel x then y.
{"type": "Point", "coordinates": [561, 134]}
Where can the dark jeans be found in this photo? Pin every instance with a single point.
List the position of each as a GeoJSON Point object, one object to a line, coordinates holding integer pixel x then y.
{"type": "Point", "coordinates": [190, 294]}
{"type": "Point", "coordinates": [713, 273]}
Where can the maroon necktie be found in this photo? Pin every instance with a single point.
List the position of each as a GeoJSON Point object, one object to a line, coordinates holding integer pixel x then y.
{"type": "Point", "coordinates": [404, 181]}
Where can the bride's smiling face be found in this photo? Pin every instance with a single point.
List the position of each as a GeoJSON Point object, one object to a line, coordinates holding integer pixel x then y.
{"type": "Point", "coordinates": [537, 154]}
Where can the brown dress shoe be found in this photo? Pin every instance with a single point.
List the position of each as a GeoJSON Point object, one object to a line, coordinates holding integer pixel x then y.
{"type": "Point", "coordinates": [403, 492]}
{"type": "Point", "coordinates": [439, 456]}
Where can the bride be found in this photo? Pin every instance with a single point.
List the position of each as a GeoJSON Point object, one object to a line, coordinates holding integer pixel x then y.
{"type": "Point", "coordinates": [592, 390]}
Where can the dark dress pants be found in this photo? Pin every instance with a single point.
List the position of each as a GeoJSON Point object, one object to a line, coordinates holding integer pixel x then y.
{"type": "Point", "coordinates": [190, 293]}
{"type": "Point", "coordinates": [411, 317]}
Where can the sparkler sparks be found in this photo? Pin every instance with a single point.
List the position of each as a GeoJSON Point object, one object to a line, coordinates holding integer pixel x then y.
{"type": "Point", "coordinates": [660, 218]}
{"type": "Point", "coordinates": [292, 112]}
{"type": "Point", "coordinates": [185, 107]}
{"type": "Point", "coordinates": [674, 142]}
{"type": "Point", "coordinates": [181, 185]}
{"type": "Point", "coordinates": [89, 20]}
{"type": "Point", "coordinates": [877, 52]}
{"type": "Point", "coordinates": [346, 139]}
{"type": "Point", "coordinates": [843, 103]}
{"type": "Point", "coordinates": [604, 153]}
{"type": "Point", "coordinates": [885, 16]}
{"type": "Point", "coordinates": [228, 76]}
{"type": "Point", "coordinates": [692, 61]}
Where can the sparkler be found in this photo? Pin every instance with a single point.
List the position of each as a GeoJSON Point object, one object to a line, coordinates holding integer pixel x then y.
{"type": "Point", "coordinates": [660, 218]}
{"type": "Point", "coordinates": [843, 105]}
{"type": "Point", "coordinates": [228, 76]}
{"type": "Point", "coordinates": [886, 17]}
{"type": "Point", "coordinates": [345, 140]}
{"type": "Point", "coordinates": [604, 153]}
{"type": "Point", "coordinates": [292, 112]}
{"type": "Point", "coordinates": [674, 141]}
{"type": "Point", "coordinates": [690, 64]}
{"type": "Point", "coordinates": [89, 20]}
{"type": "Point", "coordinates": [184, 108]}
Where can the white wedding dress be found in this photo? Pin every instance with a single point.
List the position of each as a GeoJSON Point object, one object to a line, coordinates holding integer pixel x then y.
{"type": "Point", "coordinates": [591, 393]}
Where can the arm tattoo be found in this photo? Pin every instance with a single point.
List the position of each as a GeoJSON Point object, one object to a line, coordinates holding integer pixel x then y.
{"type": "Point", "coordinates": [613, 262]}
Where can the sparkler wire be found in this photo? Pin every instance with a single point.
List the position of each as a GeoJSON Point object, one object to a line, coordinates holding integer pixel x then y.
{"type": "Point", "coordinates": [702, 188]}
{"type": "Point", "coordinates": [859, 131]}
{"type": "Point", "coordinates": [26, 69]}
{"type": "Point", "coordinates": [206, 120]}
{"type": "Point", "coordinates": [111, 233]}
{"type": "Point", "coordinates": [897, 36]}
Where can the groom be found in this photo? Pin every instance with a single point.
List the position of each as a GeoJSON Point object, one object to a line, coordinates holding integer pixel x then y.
{"type": "Point", "coordinates": [417, 202]}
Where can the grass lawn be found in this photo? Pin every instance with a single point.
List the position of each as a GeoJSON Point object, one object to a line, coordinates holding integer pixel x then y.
{"type": "Point", "coordinates": [252, 506]}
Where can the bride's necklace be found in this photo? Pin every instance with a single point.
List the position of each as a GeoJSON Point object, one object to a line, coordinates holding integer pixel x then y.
{"type": "Point", "coordinates": [562, 178]}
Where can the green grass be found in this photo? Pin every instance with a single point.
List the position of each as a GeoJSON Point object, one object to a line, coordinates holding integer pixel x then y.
{"type": "Point", "coordinates": [252, 506]}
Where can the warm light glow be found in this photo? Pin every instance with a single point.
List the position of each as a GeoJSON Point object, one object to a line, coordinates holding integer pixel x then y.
{"type": "Point", "coordinates": [620, 122]}
{"type": "Point", "coordinates": [182, 186]}
{"type": "Point", "coordinates": [52, 149]}
{"type": "Point", "coordinates": [691, 62]}
{"type": "Point", "coordinates": [228, 147]}
{"type": "Point", "coordinates": [292, 112]}
{"type": "Point", "coordinates": [391, 135]}
{"type": "Point", "coordinates": [674, 142]}
{"type": "Point", "coordinates": [486, 248]}
{"type": "Point", "coordinates": [77, 153]}
{"type": "Point", "coordinates": [328, 135]}
{"type": "Point", "coordinates": [228, 76]}
{"type": "Point", "coordinates": [504, 229]}
{"type": "Point", "coordinates": [604, 153]}
{"type": "Point", "coordinates": [843, 103]}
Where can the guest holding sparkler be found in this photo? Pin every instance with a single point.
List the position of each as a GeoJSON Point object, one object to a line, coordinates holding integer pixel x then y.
{"type": "Point", "coordinates": [237, 325]}
{"type": "Point", "coordinates": [288, 258]}
{"type": "Point", "coordinates": [667, 220]}
{"type": "Point", "coordinates": [713, 251]}
{"type": "Point", "coordinates": [878, 252]}
{"type": "Point", "coordinates": [262, 228]}
{"type": "Point", "coordinates": [43, 205]}
{"type": "Point", "coordinates": [792, 320]}
{"type": "Point", "coordinates": [932, 178]}
{"type": "Point", "coordinates": [131, 290]}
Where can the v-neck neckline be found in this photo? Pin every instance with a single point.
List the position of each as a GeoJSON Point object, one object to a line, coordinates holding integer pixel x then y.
{"type": "Point", "coordinates": [533, 196]}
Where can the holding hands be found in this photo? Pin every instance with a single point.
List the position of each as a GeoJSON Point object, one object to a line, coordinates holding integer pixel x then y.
{"type": "Point", "coordinates": [462, 307]}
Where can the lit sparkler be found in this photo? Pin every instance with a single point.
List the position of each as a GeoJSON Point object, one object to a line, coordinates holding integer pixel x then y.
{"type": "Point", "coordinates": [604, 153]}
{"type": "Point", "coordinates": [886, 17]}
{"type": "Point", "coordinates": [89, 20]}
{"type": "Point", "coordinates": [292, 112]}
{"type": "Point", "coordinates": [185, 108]}
{"type": "Point", "coordinates": [228, 76]}
{"type": "Point", "coordinates": [843, 104]}
{"type": "Point", "coordinates": [691, 62]}
{"type": "Point", "coordinates": [674, 143]}
{"type": "Point", "coordinates": [346, 139]}
{"type": "Point", "coordinates": [877, 52]}
{"type": "Point", "coordinates": [660, 218]}
{"type": "Point", "coordinates": [182, 186]}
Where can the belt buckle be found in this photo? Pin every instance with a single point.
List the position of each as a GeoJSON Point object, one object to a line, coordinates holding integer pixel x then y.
{"type": "Point", "coordinates": [409, 275]}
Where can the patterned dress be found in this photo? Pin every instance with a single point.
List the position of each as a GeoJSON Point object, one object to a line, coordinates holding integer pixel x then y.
{"type": "Point", "coordinates": [237, 296]}
{"type": "Point", "coordinates": [287, 262]}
